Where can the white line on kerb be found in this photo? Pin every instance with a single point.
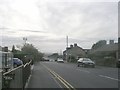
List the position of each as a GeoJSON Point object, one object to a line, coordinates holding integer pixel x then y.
{"type": "Point", "coordinates": [108, 77]}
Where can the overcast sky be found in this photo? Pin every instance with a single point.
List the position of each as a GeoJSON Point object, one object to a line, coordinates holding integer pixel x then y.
{"type": "Point", "coordinates": [46, 23]}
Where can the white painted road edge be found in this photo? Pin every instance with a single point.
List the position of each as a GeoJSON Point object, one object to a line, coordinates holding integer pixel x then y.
{"type": "Point", "coordinates": [26, 85]}
{"type": "Point", "coordinates": [108, 77]}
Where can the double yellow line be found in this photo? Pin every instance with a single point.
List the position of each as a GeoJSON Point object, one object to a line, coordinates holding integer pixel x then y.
{"type": "Point", "coordinates": [63, 81]}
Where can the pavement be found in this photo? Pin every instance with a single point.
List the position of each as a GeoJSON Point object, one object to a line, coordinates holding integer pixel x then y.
{"type": "Point", "coordinates": [26, 85]}
{"type": "Point", "coordinates": [41, 78]}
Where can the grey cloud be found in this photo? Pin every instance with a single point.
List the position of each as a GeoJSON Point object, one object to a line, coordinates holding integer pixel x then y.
{"type": "Point", "coordinates": [119, 19]}
{"type": "Point", "coordinates": [10, 41]}
{"type": "Point", "coordinates": [37, 31]}
{"type": "Point", "coordinates": [94, 15]}
{"type": "Point", "coordinates": [84, 23]}
{"type": "Point", "coordinates": [45, 39]}
{"type": "Point", "coordinates": [12, 30]}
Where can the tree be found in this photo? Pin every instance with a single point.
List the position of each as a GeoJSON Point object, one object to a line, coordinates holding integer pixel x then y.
{"type": "Point", "coordinates": [13, 49]}
{"type": "Point", "coordinates": [99, 44]}
{"type": "Point", "coordinates": [31, 51]}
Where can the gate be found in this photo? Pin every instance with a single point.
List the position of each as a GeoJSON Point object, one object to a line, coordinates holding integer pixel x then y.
{"type": "Point", "coordinates": [17, 77]}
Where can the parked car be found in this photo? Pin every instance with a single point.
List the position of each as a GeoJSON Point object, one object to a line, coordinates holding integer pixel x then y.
{"type": "Point", "coordinates": [17, 62]}
{"type": "Point", "coordinates": [45, 59]}
{"type": "Point", "coordinates": [85, 62]}
{"type": "Point", "coordinates": [60, 60]}
{"type": "Point", "coordinates": [51, 60]}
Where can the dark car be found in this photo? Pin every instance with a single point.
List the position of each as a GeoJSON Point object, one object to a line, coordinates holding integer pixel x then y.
{"type": "Point", "coordinates": [118, 63]}
{"type": "Point", "coordinates": [17, 62]}
{"type": "Point", "coordinates": [85, 62]}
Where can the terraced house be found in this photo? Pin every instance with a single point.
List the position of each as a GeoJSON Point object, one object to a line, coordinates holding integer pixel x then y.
{"type": "Point", "coordinates": [108, 53]}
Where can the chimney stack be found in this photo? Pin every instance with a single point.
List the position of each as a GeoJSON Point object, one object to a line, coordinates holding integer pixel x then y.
{"type": "Point", "coordinates": [111, 42]}
{"type": "Point", "coordinates": [71, 46]}
{"type": "Point", "coordinates": [5, 49]}
{"type": "Point", "coordinates": [75, 44]}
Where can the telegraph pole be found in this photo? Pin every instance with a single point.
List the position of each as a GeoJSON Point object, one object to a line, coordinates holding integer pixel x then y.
{"type": "Point", "coordinates": [67, 41]}
{"type": "Point", "coordinates": [66, 48]}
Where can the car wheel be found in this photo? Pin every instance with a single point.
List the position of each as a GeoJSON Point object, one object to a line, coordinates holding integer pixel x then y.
{"type": "Point", "coordinates": [93, 66]}
{"type": "Point", "coordinates": [78, 65]}
{"type": "Point", "coordinates": [83, 65]}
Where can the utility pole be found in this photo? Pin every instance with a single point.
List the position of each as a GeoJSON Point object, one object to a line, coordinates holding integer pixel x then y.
{"type": "Point", "coordinates": [66, 48]}
{"type": "Point", "coordinates": [67, 41]}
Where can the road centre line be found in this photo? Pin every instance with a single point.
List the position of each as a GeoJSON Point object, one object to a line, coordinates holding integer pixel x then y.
{"type": "Point", "coordinates": [108, 77]}
{"type": "Point", "coordinates": [63, 81]}
{"type": "Point", "coordinates": [83, 70]}
{"type": "Point", "coordinates": [52, 76]}
{"type": "Point", "coordinates": [56, 81]}
{"type": "Point", "coordinates": [55, 75]}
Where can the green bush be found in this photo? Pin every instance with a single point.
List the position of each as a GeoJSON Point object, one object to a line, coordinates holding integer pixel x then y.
{"type": "Point", "coordinates": [72, 59]}
{"type": "Point", "coordinates": [109, 61]}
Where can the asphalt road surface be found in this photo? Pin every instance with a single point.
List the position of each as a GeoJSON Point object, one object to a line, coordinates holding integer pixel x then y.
{"type": "Point", "coordinates": [68, 75]}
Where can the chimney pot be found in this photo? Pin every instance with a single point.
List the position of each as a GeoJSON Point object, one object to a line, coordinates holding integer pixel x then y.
{"type": "Point", "coordinates": [75, 44]}
{"type": "Point", "coordinates": [111, 42]}
{"type": "Point", "coordinates": [5, 49]}
{"type": "Point", "coordinates": [71, 46]}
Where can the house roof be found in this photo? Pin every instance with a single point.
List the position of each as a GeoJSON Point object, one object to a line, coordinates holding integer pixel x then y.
{"type": "Point", "coordinates": [106, 48]}
{"type": "Point", "coordinates": [73, 48]}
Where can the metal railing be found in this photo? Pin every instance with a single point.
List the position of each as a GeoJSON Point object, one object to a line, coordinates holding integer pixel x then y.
{"type": "Point", "coordinates": [17, 77]}
{"type": "Point", "coordinates": [0, 79]}
{"type": "Point", "coordinates": [26, 72]}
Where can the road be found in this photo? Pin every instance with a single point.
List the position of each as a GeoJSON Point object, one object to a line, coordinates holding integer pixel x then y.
{"type": "Point", "coordinates": [68, 75]}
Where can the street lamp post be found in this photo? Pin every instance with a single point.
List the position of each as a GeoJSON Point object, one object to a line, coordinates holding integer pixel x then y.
{"type": "Point", "coordinates": [25, 40]}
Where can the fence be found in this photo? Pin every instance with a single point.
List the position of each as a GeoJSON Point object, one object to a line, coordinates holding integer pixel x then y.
{"type": "Point", "coordinates": [26, 72]}
{"type": "Point", "coordinates": [17, 77]}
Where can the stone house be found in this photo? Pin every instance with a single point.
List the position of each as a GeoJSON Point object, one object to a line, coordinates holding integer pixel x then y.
{"type": "Point", "coordinates": [73, 51]}
{"type": "Point", "coordinates": [107, 53]}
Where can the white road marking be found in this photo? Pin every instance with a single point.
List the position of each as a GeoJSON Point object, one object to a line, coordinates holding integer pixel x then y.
{"type": "Point", "coordinates": [32, 67]}
{"type": "Point", "coordinates": [108, 77]}
{"type": "Point", "coordinates": [63, 81]}
{"type": "Point", "coordinates": [83, 70]}
{"type": "Point", "coordinates": [27, 83]}
{"type": "Point", "coordinates": [53, 78]}
{"type": "Point", "coordinates": [56, 81]}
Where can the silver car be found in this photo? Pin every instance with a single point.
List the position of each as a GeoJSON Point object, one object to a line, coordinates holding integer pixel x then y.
{"type": "Point", "coordinates": [60, 60]}
{"type": "Point", "coordinates": [85, 62]}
